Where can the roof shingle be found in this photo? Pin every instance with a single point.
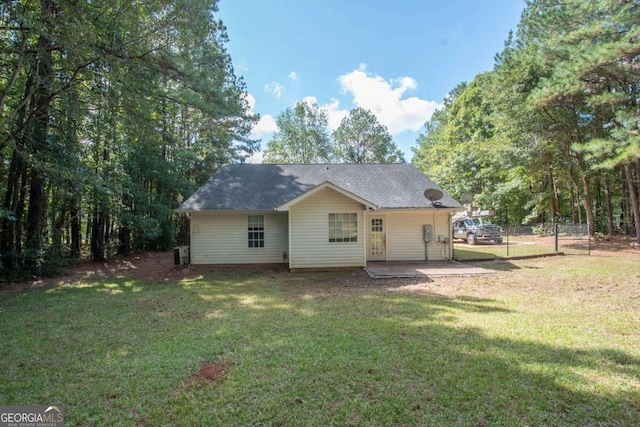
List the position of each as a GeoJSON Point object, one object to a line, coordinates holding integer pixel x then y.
{"type": "Point", "coordinates": [252, 187]}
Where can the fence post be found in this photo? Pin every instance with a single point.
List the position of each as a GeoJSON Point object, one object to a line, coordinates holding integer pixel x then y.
{"type": "Point", "coordinates": [555, 232]}
{"type": "Point", "coordinates": [507, 241]}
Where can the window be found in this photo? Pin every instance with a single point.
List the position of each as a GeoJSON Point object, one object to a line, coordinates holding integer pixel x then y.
{"type": "Point", "coordinates": [343, 227]}
{"type": "Point", "coordinates": [255, 231]}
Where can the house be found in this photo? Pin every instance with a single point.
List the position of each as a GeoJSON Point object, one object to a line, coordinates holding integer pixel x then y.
{"type": "Point", "coordinates": [319, 216]}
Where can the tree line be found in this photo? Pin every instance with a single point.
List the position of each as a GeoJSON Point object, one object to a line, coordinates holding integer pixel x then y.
{"type": "Point", "coordinates": [303, 137]}
{"type": "Point", "coordinates": [110, 114]}
{"type": "Point", "coordinates": [552, 132]}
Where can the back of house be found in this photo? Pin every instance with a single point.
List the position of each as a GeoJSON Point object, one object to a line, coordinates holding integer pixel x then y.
{"type": "Point", "coordinates": [319, 216]}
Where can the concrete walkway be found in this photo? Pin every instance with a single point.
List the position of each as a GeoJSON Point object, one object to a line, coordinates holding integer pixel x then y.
{"type": "Point", "coordinates": [387, 270]}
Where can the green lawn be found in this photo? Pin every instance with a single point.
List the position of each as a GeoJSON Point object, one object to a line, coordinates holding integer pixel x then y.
{"type": "Point", "coordinates": [552, 341]}
{"type": "Point", "coordinates": [519, 246]}
{"type": "Point", "coordinates": [463, 251]}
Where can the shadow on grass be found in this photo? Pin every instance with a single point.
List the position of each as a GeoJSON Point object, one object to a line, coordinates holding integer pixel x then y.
{"type": "Point", "coordinates": [469, 254]}
{"type": "Point", "coordinates": [493, 264]}
{"type": "Point", "coordinates": [465, 252]}
{"type": "Point", "coordinates": [306, 350]}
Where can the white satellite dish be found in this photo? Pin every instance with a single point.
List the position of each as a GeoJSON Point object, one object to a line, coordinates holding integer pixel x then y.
{"type": "Point", "coordinates": [467, 198]}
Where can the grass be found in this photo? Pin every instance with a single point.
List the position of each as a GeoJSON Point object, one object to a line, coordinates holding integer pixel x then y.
{"type": "Point", "coordinates": [463, 251]}
{"type": "Point", "coordinates": [519, 246]}
{"type": "Point", "coordinates": [551, 341]}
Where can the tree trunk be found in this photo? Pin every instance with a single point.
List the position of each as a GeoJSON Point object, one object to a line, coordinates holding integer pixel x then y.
{"type": "Point", "coordinates": [634, 200]}
{"type": "Point", "coordinates": [35, 218]}
{"type": "Point", "coordinates": [58, 218]}
{"type": "Point", "coordinates": [22, 197]}
{"type": "Point", "coordinates": [11, 199]}
{"type": "Point", "coordinates": [587, 204]}
{"type": "Point", "coordinates": [37, 133]}
{"type": "Point", "coordinates": [586, 188]}
{"type": "Point", "coordinates": [625, 209]}
{"type": "Point", "coordinates": [124, 231]}
{"type": "Point", "coordinates": [11, 241]}
{"type": "Point", "coordinates": [552, 198]}
{"type": "Point", "coordinates": [124, 240]}
{"type": "Point", "coordinates": [607, 192]}
{"type": "Point", "coordinates": [75, 229]}
{"type": "Point", "coordinates": [97, 235]}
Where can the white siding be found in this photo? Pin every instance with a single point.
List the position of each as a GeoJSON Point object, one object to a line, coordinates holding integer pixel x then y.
{"type": "Point", "coordinates": [405, 241]}
{"type": "Point", "coordinates": [310, 247]}
{"type": "Point", "coordinates": [221, 238]}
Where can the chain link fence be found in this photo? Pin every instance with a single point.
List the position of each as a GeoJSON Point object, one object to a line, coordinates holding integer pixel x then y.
{"type": "Point", "coordinates": [572, 239]}
{"type": "Point", "coordinates": [530, 241]}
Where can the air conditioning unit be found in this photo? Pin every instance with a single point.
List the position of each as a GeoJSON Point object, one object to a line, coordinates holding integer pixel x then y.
{"type": "Point", "coordinates": [181, 255]}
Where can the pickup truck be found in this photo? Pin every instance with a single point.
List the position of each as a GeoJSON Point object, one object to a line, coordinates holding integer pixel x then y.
{"type": "Point", "coordinates": [473, 230]}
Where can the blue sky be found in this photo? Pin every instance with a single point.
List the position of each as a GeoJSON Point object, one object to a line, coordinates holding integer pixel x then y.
{"type": "Point", "coordinates": [398, 59]}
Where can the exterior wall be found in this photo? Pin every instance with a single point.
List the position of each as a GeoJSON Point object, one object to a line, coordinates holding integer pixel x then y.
{"type": "Point", "coordinates": [221, 238]}
{"type": "Point", "coordinates": [309, 232]}
{"type": "Point", "coordinates": [405, 239]}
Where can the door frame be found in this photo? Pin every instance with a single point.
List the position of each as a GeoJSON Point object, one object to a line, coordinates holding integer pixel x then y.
{"type": "Point", "coordinates": [369, 232]}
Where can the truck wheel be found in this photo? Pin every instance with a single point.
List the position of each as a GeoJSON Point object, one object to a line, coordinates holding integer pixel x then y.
{"type": "Point", "coordinates": [498, 241]}
{"type": "Point", "coordinates": [471, 239]}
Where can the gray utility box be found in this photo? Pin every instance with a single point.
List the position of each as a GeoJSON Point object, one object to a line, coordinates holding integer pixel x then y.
{"type": "Point", "coordinates": [181, 255]}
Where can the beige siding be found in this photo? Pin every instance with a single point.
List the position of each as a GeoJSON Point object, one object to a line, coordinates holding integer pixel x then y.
{"type": "Point", "coordinates": [405, 241]}
{"type": "Point", "coordinates": [310, 246]}
{"type": "Point", "coordinates": [221, 238]}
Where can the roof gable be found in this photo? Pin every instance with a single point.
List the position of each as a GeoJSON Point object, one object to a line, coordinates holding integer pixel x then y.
{"type": "Point", "coordinates": [326, 184]}
{"type": "Point", "coordinates": [251, 187]}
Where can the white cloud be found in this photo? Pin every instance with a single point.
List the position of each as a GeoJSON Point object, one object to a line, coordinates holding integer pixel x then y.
{"type": "Point", "coordinates": [384, 98]}
{"type": "Point", "coordinates": [293, 75]}
{"type": "Point", "coordinates": [275, 89]}
{"type": "Point", "coordinates": [257, 157]}
{"type": "Point", "coordinates": [265, 125]}
{"type": "Point", "coordinates": [311, 100]}
{"type": "Point", "coordinates": [334, 113]}
{"type": "Point", "coordinates": [251, 100]}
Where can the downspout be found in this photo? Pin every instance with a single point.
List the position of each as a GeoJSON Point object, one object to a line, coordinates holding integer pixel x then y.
{"type": "Point", "coordinates": [365, 229]}
{"type": "Point", "coordinates": [451, 236]}
{"type": "Point", "coordinates": [289, 226]}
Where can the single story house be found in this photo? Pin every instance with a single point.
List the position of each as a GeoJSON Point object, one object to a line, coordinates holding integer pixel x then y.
{"type": "Point", "coordinates": [319, 216]}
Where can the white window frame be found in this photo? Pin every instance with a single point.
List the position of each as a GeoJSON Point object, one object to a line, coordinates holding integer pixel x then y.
{"type": "Point", "coordinates": [343, 227]}
{"type": "Point", "coordinates": [255, 232]}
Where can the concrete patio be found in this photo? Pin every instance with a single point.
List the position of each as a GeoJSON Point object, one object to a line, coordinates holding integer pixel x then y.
{"type": "Point", "coordinates": [387, 270]}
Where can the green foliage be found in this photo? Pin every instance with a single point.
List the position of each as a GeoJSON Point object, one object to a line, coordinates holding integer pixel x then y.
{"type": "Point", "coordinates": [113, 112]}
{"type": "Point", "coordinates": [360, 138]}
{"type": "Point", "coordinates": [302, 136]}
{"type": "Point", "coordinates": [538, 137]}
{"type": "Point", "coordinates": [461, 149]}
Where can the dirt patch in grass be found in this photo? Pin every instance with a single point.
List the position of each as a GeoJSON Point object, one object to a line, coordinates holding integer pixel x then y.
{"type": "Point", "coordinates": [210, 372]}
{"type": "Point", "coordinates": [153, 266]}
{"type": "Point", "coordinates": [159, 267]}
{"type": "Point", "coordinates": [615, 245]}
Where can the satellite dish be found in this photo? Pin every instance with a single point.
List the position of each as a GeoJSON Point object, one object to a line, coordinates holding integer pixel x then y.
{"type": "Point", "coordinates": [433, 194]}
{"type": "Point", "coordinates": [467, 198]}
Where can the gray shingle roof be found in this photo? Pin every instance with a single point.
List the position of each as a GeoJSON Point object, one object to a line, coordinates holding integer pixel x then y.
{"type": "Point", "coordinates": [252, 187]}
